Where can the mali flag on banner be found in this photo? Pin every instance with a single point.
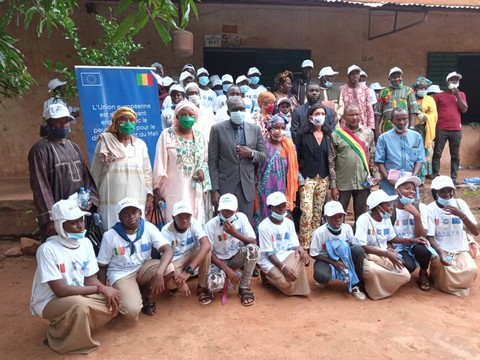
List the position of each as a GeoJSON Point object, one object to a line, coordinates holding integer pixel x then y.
{"type": "Point", "coordinates": [144, 79]}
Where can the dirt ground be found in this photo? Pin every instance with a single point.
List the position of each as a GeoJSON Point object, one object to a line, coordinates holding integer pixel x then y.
{"type": "Point", "coordinates": [328, 324]}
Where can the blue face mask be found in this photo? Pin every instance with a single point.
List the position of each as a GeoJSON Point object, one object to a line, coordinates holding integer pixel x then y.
{"type": "Point", "coordinates": [279, 217]}
{"type": "Point", "coordinates": [226, 87]}
{"type": "Point", "coordinates": [76, 236]}
{"type": "Point", "coordinates": [218, 92]}
{"type": "Point", "coordinates": [255, 80]}
{"type": "Point", "coordinates": [244, 89]}
{"type": "Point", "coordinates": [223, 219]}
{"type": "Point", "coordinates": [328, 84]}
{"type": "Point", "coordinates": [444, 202]}
{"type": "Point", "coordinates": [385, 215]}
{"type": "Point", "coordinates": [203, 80]}
{"type": "Point", "coordinates": [406, 201]}
{"type": "Point", "coordinates": [238, 117]}
{"type": "Point", "coordinates": [334, 229]}
{"type": "Point", "coordinates": [59, 133]}
{"type": "Point", "coordinates": [421, 93]}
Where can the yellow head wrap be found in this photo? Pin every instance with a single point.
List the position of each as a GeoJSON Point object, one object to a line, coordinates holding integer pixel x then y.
{"type": "Point", "coordinates": [124, 110]}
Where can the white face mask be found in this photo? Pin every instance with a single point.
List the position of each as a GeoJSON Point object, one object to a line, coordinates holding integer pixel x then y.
{"type": "Point", "coordinates": [362, 83]}
{"type": "Point", "coordinates": [195, 99]}
{"type": "Point", "coordinates": [318, 120]}
{"type": "Point", "coordinates": [452, 86]}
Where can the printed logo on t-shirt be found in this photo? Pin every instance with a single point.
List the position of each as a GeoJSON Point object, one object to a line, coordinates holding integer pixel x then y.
{"type": "Point", "coordinates": [174, 243]}
{"type": "Point", "coordinates": [445, 221]}
{"type": "Point", "coordinates": [61, 268]}
{"type": "Point", "coordinates": [456, 220]}
{"type": "Point", "coordinates": [223, 237]}
{"type": "Point", "coordinates": [119, 250]}
{"type": "Point", "coordinates": [146, 247]}
{"type": "Point", "coordinates": [412, 222]}
{"type": "Point", "coordinates": [279, 237]}
{"type": "Point", "coordinates": [287, 236]}
{"type": "Point", "coordinates": [190, 240]}
{"type": "Point", "coordinates": [437, 221]}
{"type": "Point", "coordinates": [77, 265]}
{"type": "Point", "coordinates": [379, 232]}
{"type": "Point", "coordinates": [386, 231]}
{"type": "Point", "coordinates": [397, 222]}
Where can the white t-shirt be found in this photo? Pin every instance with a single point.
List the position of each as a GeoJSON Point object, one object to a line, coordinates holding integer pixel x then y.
{"type": "Point", "coordinates": [372, 232]}
{"type": "Point", "coordinates": [55, 262]}
{"type": "Point", "coordinates": [183, 243]}
{"type": "Point", "coordinates": [115, 251]}
{"type": "Point", "coordinates": [405, 223]}
{"type": "Point", "coordinates": [167, 102]}
{"type": "Point", "coordinates": [280, 240]}
{"type": "Point", "coordinates": [373, 97]}
{"type": "Point", "coordinates": [225, 246]}
{"type": "Point", "coordinates": [219, 102]}
{"type": "Point", "coordinates": [207, 97]}
{"type": "Point", "coordinates": [253, 94]}
{"type": "Point", "coordinates": [321, 235]}
{"type": "Point", "coordinates": [448, 229]}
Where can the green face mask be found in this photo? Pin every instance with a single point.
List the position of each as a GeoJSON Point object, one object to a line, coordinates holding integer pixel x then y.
{"type": "Point", "coordinates": [187, 122]}
{"type": "Point", "coordinates": [126, 128]}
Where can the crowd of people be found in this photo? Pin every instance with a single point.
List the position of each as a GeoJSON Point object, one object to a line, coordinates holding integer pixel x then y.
{"type": "Point", "coordinates": [244, 178]}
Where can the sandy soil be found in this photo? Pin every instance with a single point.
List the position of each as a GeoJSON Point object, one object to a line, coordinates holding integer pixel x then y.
{"type": "Point", "coordinates": [328, 324]}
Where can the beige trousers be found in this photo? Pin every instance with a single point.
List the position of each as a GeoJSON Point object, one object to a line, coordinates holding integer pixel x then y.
{"type": "Point", "coordinates": [185, 260]}
{"type": "Point", "coordinates": [298, 287]}
{"type": "Point", "coordinates": [381, 282]}
{"type": "Point", "coordinates": [457, 278]}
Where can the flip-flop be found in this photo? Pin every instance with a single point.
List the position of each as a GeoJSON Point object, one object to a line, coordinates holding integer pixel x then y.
{"type": "Point", "coordinates": [424, 282]}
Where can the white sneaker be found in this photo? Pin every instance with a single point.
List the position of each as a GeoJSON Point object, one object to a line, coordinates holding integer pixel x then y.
{"type": "Point", "coordinates": [358, 294]}
{"type": "Point", "coordinates": [321, 286]}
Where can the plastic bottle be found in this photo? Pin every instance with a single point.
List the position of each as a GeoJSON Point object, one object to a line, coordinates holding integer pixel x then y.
{"type": "Point", "coordinates": [83, 198]}
{"type": "Point", "coordinates": [162, 204]}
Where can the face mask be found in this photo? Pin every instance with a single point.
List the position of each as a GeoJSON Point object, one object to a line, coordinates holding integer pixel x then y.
{"type": "Point", "coordinates": [223, 219]}
{"type": "Point", "coordinates": [318, 120]}
{"type": "Point", "coordinates": [59, 133]}
{"type": "Point", "coordinates": [364, 83]}
{"type": "Point", "coordinates": [452, 86]}
{"type": "Point", "coordinates": [187, 122]}
{"type": "Point", "coordinates": [225, 87]}
{"type": "Point", "coordinates": [218, 92]}
{"type": "Point", "coordinates": [195, 99]}
{"type": "Point", "coordinates": [328, 84]}
{"type": "Point", "coordinates": [238, 117]}
{"type": "Point", "coordinates": [203, 80]}
{"type": "Point", "coordinates": [385, 215]}
{"type": "Point", "coordinates": [244, 89]}
{"type": "Point", "coordinates": [269, 108]}
{"type": "Point", "coordinates": [334, 229]}
{"type": "Point", "coordinates": [76, 236]}
{"type": "Point", "coordinates": [406, 201]}
{"type": "Point", "coordinates": [279, 217]}
{"type": "Point", "coordinates": [255, 80]}
{"type": "Point", "coordinates": [397, 129]}
{"type": "Point", "coordinates": [126, 128]}
{"type": "Point", "coordinates": [421, 93]}
{"type": "Point", "coordinates": [444, 202]}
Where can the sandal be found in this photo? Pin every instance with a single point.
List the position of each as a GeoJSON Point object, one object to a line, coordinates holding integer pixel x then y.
{"type": "Point", "coordinates": [148, 308]}
{"type": "Point", "coordinates": [424, 281]}
{"type": "Point", "coordinates": [246, 296]}
{"type": "Point", "coordinates": [204, 296]}
{"type": "Point", "coordinates": [174, 292]}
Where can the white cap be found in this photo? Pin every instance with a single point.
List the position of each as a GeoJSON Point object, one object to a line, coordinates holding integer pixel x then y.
{"type": "Point", "coordinates": [181, 207]}
{"type": "Point", "coordinates": [253, 70]}
{"type": "Point", "coordinates": [307, 63]}
{"type": "Point", "coordinates": [376, 86]}
{"type": "Point", "coordinates": [352, 68]}
{"type": "Point", "coordinates": [363, 73]}
{"type": "Point", "coordinates": [284, 99]}
{"type": "Point", "coordinates": [333, 208]}
{"type": "Point", "coordinates": [276, 198]}
{"type": "Point", "coordinates": [128, 202]}
{"type": "Point", "coordinates": [57, 111]}
{"type": "Point", "coordinates": [228, 202]}
{"type": "Point", "coordinates": [214, 77]}
{"type": "Point", "coordinates": [176, 87]}
{"type": "Point", "coordinates": [434, 89]}
{"type": "Point", "coordinates": [441, 182]}
{"type": "Point", "coordinates": [394, 70]}
{"type": "Point", "coordinates": [327, 71]}
{"type": "Point", "coordinates": [406, 179]}
{"type": "Point", "coordinates": [184, 75]}
{"type": "Point", "coordinates": [188, 66]}
{"type": "Point", "coordinates": [202, 70]}
{"type": "Point", "coordinates": [378, 197]}
{"type": "Point", "coordinates": [54, 83]}
{"type": "Point", "coordinates": [227, 78]}
{"type": "Point", "coordinates": [65, 210]}
{"type": "Point", "coordinates": [216, 82]}
{"type": "Point", "coordinates": [167, 81]}
{"type": "Point", "coordinates": [191, 85]}
{"type": "Point", "coordinates": [157, 64]}
{"type": "Point", "coordinates": [242, 78]}
{"type": "Point", "coordinates": [453, 74]}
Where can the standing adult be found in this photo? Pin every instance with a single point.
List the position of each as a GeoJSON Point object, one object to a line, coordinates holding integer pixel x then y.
{"type": "Point", "coordinates": [234, 150]}
{"type": "Point", "coordinates": [398, 150]}
{"type": "Point", "coordinates": [354, 158]}
{"type": "Point", "coordinates": [363, 81]}
{"type": "Point", "coordinates": [300, 83]}
{"type": "Point", "coordinates": [177, 94]}
{"type": "Point", "coordinates": [121, 167]}
{"type": "Point", "coordinates": [219, 102]}
{"type": "Point", "coordinates": [205, 117]}
{"type": "Point", "coordinates": [207, 95]}
{"type": "Point", "coordinates": [354, 92]}
{"type": "Point", "coordinates": [396, 94]}
{"type": "Point", "coordinates": [329, 92]}
{"type": "Point", "coordinates": [57, 168]}
{"type": "Point", "coordinates": [450, 105]}
{"type": "Point", "coordinates": [266, 105]}
{"type": "Point", "coordinates": [243, 83]}
{"type": "Point", "coordinates": [283, 87]}
{"type": "Point", "coordinates": [255, 87]}
{"type": "Point", "coordinates": [314, 145]}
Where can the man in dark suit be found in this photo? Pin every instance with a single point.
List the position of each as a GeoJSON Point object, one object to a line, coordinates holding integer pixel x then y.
{"type": "Point", "coordinates": [234, 149]}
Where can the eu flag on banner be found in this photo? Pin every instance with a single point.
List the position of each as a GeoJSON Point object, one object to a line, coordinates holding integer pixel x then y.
{"type": "Point", "coordinates": [91, 79]}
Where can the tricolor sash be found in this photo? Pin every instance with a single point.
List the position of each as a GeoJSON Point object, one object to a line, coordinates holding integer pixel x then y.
{"type": "Point", "coordinates": [356, 144]}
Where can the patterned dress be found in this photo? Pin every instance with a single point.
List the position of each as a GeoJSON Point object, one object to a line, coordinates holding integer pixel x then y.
{"type": "Point", "coordinates": [427, 130]}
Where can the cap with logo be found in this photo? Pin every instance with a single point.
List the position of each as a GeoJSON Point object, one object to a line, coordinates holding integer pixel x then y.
{"type": "Point", "coordinates": [333, 208]}
{"type": "Point", "coordinates": [228, 202]}
{"type": "Point", "coordinates": [181, 207]}
{"type": "Point", "coordinates": [65, 210]}
{"type": "Point", "coordinates": [57, 111]}
{"type": "Point", "coordinates": [276, 198]}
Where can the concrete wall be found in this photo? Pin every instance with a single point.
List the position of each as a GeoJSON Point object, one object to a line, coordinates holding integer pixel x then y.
{"type": "Point", "coordinates": [337, 37]}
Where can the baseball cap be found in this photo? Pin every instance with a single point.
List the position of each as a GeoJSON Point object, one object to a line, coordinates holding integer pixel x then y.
{"type": "Point", "coordinates": [54, 83]}
{"type": "Point", "coordinates": [157, 65]}
{"type": "Point", "coordinates": [216, 82]}
{"type": "Point", "coordinates": [191, 85]}
{"type": "Point", "coordinates": [57, 111]}
{"type": "Point", "coordinates": [352, 68]}
{"type": "Point", "coordinates": [228, 202]}
{"type": "Point", "coordinates": [307, 63]}
{"type": "Point", "coordinates": [214, 77]}
{"type": "Point", "coordinates": [376, 86]}
{"type": "Point", "coordinates": [413, 179]}
{"type": "Point", "coordinates": [242, 78]}
{"type": "Point", "coordinates": [284, 99]}
{"type": "Point", "coordinates": [66, 210]}
{"type": "Point", "coordinates": [188, 66]}
{"type": "Point", "coordinates": [202, 70]}
{"type": "Point", "coordinates": [276, 198]}
{"type": "Point", "coordinates": [128, 202]}
{"type": "Point", "coordinates": [453, 74]}
{"type": "Point", "coordinates": [327, 71]}
{"type": "Point", "coordinates": [378, 197]}
{"type": "Point", "coordinates": [394, 70]}
{"type": "Point", "coordinates": [227, 78]}
{"type": "Point", "coordinates": [441, 182]}
{"type": "Point", "coordinates": [434, 89]}
{"type": "Point", "coordinates": [184, 75]}
{"type": "Point", "coordinates": [176, 87]}
{"type": "Point", "coordinates": [253, 70]}
{"type": "Point", "coordinates": [363, 73]}
{"type": "Point", "coordinates": [181, 207]}
{"type": "Point", "coordinates": [333, 208]}
{"type": "Point", "coordinates": [167, 81]}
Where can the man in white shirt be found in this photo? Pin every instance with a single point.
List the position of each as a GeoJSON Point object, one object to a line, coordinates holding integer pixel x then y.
{"type": "Point", "coordinates": [255, 87]}
{"type": "Point", "coordinates": [220, 100]}
{"type": "Point", "coordinates": [233, 246]}
{"type": "Point", "coordinates": [125, 260]}
{"type": "Point", "coordinates": [66, 290]}
{"type": "Point", "coordinates": [207, 95]}
{"type": "Point", "coordinates": [191, 250]}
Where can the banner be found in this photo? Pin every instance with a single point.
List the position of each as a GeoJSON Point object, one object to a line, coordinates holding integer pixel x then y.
{"type": "Point", "coordinates": [104, 89]}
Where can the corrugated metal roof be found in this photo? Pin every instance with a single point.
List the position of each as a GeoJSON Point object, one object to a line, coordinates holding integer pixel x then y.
{"type": "Point", "coordinates": [451, 4]}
